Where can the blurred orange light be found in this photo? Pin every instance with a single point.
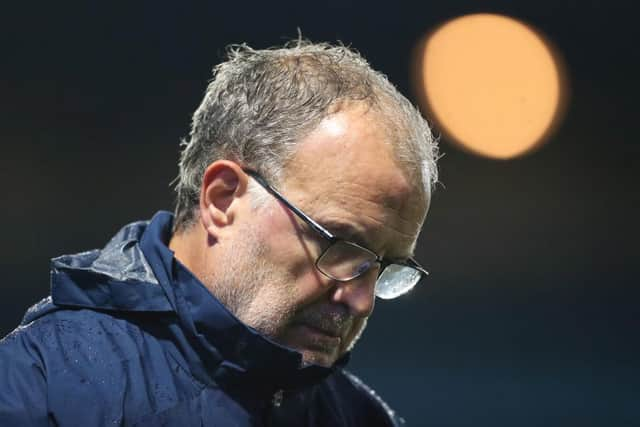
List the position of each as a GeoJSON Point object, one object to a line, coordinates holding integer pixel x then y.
{"type": "Point", "coordinates": [492, 84]}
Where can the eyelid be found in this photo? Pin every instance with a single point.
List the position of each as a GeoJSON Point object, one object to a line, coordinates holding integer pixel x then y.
{"type": "Point", "coordinates": [348, 233]}
{"type": "Point", "coordinates": [397, 260]}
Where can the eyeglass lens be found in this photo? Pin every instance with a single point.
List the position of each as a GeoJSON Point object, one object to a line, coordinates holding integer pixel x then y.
{"type": "Point", "coordinates": [396, 280]}
{"type": "Point", "coordinates": [345, 261]}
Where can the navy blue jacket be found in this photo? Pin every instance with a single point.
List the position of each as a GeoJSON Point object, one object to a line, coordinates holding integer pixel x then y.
{"type": "Point", "coordinates": [130, 337]}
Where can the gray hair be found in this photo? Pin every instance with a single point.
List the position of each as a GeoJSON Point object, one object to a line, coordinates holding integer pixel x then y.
{"type": "Point", "coordinates": [261, 103]}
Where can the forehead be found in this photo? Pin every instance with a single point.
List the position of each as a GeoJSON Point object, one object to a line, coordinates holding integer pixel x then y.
{"type": "Point", "coordinates": [345, 172]}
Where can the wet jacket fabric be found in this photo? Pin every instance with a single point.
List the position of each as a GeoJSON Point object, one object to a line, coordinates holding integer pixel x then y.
{"type": "Point", "coordinates": [129, 337]}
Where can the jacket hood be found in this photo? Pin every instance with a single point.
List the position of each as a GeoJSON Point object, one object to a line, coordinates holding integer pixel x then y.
{"type": "Point", "coordinates": [137, 272]}
{"type": "Point", "coordinates": [118, 277]}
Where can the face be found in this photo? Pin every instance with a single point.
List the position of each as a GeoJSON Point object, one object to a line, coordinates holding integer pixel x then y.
{"type": "Point", "coordinates": [344, 176]}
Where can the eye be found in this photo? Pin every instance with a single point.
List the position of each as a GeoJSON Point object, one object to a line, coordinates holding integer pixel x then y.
{"type": "Point", "coordinates": [362, 268]}
{"type": "Point", "coordinates": [368, 267]}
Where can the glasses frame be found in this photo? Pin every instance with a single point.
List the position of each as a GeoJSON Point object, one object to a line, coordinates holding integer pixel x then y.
{"type": "Point", "coordinates": [331, 238]}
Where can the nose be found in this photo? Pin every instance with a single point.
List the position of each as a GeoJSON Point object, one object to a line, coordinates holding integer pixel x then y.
{"type": "Point", "coordinates": [357, 294]}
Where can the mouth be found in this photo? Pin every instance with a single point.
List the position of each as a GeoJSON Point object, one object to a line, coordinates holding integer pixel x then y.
{"type": "Point", "coordinates": [317, 338]}
{"type": "Point", "coordinates": [332, 333]}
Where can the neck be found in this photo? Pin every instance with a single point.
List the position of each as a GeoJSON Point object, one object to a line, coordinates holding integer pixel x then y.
{"type": "Point", "coordinates": [189, 247]}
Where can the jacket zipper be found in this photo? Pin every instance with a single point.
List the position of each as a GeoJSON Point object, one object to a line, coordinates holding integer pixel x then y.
{"type": "Point", "coordinates": [276, 401]}
{"type": "Point", "coordinates": [277, 398]}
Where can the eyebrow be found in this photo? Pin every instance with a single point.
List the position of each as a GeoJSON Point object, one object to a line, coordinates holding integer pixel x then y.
{"type": "Point", "coordinates": [349, 232]}
{"type": "Point", "coordinates": [346, 231]}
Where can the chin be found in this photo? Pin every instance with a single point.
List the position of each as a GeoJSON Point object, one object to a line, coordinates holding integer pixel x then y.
{"type": "Point", "coordinates": [310, 357]}
{"type": "Point", "coordinates": [355, 335]}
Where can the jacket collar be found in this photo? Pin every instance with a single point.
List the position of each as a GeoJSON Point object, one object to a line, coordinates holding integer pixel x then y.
{"type": "Point", "coordinates": [118, 277]}
{"type": "Point", "coordinates": [137, 271]}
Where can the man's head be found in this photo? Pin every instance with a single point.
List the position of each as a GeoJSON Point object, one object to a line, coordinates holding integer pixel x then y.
{"type": "Point", "coordinates": [340, 143]}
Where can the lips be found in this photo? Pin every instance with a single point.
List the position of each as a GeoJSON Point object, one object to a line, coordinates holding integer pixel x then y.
{"type": "Point", "coordinates": [330, 322]}
{"type": "Point", "coordinates": [314, 341]}
{"type": "Point", "coordinates": [333, 333]}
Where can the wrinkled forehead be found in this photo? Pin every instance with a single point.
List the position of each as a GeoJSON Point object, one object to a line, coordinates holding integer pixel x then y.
{"type": "Point", "coordinates": [355, 145]}
{"type": "Point", "coordinates": [348, 164]}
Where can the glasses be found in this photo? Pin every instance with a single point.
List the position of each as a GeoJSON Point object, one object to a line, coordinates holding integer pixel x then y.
{"type": "Point", "coordinates": [343, 260]}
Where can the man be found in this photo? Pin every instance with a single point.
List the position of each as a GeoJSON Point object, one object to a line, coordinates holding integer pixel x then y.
{"type": "Point", "coordinates": [301, 193]}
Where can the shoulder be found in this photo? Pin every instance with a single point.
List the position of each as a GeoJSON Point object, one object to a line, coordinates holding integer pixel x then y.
{"type": "Point", "coordinates": [360, 401]}
{"type": "Point", "coordinates": [88, 342]}
{"type": "Point", "coordinates": [59, 360]}
{"type": "Point", "coordinates": [88, 366]}
{"type": "Point", "coordinates": [62, 333]}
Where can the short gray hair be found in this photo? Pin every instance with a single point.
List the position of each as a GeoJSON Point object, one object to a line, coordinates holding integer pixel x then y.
{"type": "Point", "coordinates": [261, 103]}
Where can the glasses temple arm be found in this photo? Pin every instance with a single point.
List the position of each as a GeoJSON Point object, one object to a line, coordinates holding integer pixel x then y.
{"type": "Point", "coordinates": [317, 227]}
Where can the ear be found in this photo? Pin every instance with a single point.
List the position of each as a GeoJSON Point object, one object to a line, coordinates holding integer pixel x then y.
{"type": "Point", "coordinates": [223, 184]}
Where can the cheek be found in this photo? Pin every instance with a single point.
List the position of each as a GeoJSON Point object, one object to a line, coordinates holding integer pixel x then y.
{"type": "Point", "coordinates": [302, 280]}
{"type": "Point", "coordinates": [312, 287]}
{"type": "Point", "coordinates": [357, 329]}
{"type": "Point", "coordinates": [287, 247]}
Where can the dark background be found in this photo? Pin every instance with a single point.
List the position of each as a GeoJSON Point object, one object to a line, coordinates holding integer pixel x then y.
{"type": "Point", "coordinates": [530, 315]}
